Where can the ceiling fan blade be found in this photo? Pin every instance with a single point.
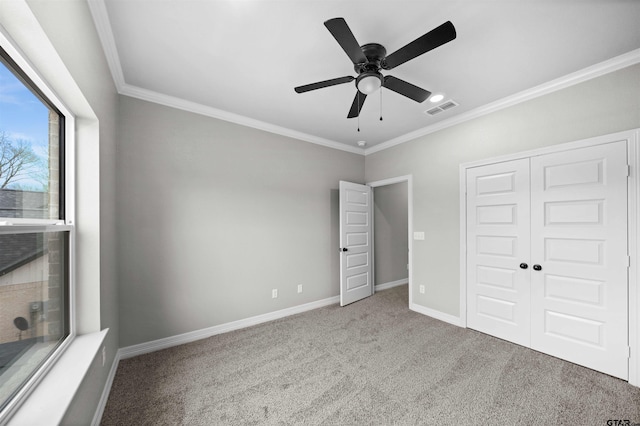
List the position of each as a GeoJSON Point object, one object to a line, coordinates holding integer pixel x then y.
{"type": "Point", "coordinates": [340, 30]}
{"type": "Point", "coordinates": [326, 83]}
{"type": "Point", "coordinates": [434, 38]}
{"type": "Point", "coordinates": [356, 106]}
{"type": "Point", "coordinates": [406, 89]}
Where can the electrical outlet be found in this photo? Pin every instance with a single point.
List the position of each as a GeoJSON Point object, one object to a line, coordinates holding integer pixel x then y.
{"type": "Point", "coordinates": [299, 288]}
{"type": "Point", "coordinates": [104, 355]}
{"type": "Point", "coordinates": [274, 293]}
{"type": "Point", "coordinates": [421, 289]}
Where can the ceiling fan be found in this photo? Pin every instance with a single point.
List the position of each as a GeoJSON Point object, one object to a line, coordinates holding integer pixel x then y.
{"type": "Point", "coordinates": [370, 58]}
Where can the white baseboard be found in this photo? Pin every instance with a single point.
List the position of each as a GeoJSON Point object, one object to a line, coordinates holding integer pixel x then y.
{"type": "Point", "coordinates": [436, 314]}
{"type": "Point", "coordinates": [391, 284]}
{"type": "Point", "coordinates": [167, 342]}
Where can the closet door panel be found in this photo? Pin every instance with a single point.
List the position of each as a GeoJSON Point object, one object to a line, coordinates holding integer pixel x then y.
{"type": "Point", "coordinates": [497, 243]}
{"type": "Point", "coordinates": [579, 239]}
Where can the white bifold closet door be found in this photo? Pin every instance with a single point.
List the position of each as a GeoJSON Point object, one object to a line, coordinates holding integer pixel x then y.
{"type": "Point", "coordinates": [498, 240]}
{"type": "Point", "coordinates": [547, 256]}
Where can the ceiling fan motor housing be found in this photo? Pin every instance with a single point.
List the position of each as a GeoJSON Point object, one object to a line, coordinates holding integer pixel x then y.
{"type": "Point", "coordinates": [374, 53]}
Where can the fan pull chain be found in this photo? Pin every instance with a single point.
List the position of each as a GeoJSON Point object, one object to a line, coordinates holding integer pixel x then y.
{"type": "Point", "coordinates": [358, 110]}
{"type": "Point", "coordinates": [381, 104]}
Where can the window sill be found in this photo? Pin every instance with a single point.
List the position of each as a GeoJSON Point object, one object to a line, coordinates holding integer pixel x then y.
{"type": "Point", "coordinates": [49, 401]}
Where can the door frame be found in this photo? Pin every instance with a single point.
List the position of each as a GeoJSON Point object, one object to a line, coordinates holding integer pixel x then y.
{"type": "Point", "coordinates": [632, 137]}
{"type": "Point", "coordinates": [391, 181]}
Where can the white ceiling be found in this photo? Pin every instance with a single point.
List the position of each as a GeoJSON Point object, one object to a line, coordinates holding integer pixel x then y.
{"type": "Point", "coordinates": [240, 59]}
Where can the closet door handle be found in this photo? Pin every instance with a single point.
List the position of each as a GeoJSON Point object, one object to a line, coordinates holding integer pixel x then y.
{"type": "Point", "coordinates": [344, 249]}
{"type": "Point", "coordinates": [524, 266]}
{"type": "Point", "coordinates": [537, 267]}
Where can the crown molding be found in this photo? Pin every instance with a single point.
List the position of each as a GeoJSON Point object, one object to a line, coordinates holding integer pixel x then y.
{"type": "Point", "coordinates": [194, 107]}
{"type": "Point", "coordinates": [103, 26]}
{"type": "Point", "coordinates": [101, 20]}
{"type": "Point", "coordinates": [597, 70]}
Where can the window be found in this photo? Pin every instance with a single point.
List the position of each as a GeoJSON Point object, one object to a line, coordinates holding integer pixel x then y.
{"type": "Point", "coordinates": [36, 235]}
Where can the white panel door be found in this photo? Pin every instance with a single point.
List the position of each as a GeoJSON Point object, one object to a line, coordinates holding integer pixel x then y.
{"type": "Point", "coordinates": [497, 243]}
{"type": "Point", "coordinates": [579, 251]}
{"type": "Point", "coordinates": [356, 239]}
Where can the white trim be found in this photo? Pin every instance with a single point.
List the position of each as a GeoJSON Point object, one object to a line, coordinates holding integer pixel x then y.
{"type": "Point", "coordinates": [391, 284]}
{"type": "Point", "coordinates": [634, 276]}
{"type": "Point", "coordinates": [178, 103]}
{"type": "Point", "coordinates": [597, 70]}
{"type": "Point", "coordinates": [102, 403]}
{"type": "Point", "coordinates": [103, 26]}
{"type": "Point", "coordinates": [27, 229]}
{"type": "Point", "coordinates": [49, 401]}
{"type": "Point", "coordinates": [390, 181]}
{"type": "Point", "coordinates": [373, 244]}
{"type": "Point", "coordinates": [566, 146]}
{"type": "Point", "coordinates": [100, 16]}
{"type": "Point", "coordinates": [21, 59]}
{"type": "Point", "coordinates": [633, 145]}
{"type": "Point", "coordinates": [410, 235]}
{"type": "Point", "coordinates": [143, 348]}
{"type": "Point", "coordinates": [409, 180]}
{"type": "Point", "coordinates": [17, 22]}
{"type": "Point", "coordinates": [167, 342]}
{"type": "Point", "coordinates": [135, 350]}
{"type": "Point", "coordinates": [22, 30]}
{"type": "Point", "coordinates": [451, 319]}
{"type": "Point", "coordinates": [462, 310]}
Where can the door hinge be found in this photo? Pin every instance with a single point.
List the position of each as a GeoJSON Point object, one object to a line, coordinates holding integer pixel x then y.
{"type": "Point", "coordinates": [628, 170]}
{"type": "Point", "coordinates": [628, 351]}
{"type": "Point", "coordinates": [628, 261]}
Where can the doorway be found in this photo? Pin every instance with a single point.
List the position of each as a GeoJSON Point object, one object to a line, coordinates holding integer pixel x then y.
{"type": "Point", "coordinates": [357, 235]}
{"type": "Point", "coordinates": [393, 199]}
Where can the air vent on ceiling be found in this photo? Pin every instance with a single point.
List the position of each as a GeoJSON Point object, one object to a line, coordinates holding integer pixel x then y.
{"type": "Point", "coordinates": [442, 107]}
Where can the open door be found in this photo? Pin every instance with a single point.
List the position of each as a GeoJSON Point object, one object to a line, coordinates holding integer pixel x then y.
{"type": "Point", "coordinates": [356, 242]}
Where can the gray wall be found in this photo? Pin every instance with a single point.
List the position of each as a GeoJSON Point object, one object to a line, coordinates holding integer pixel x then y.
{"type": "Point", "coordinates": [599, 106]}
{"type": "Point", "coordinates": [391, 233]}
{"type": "Point", "coordinates": [214, 215]}
{"type": "Point", "coordinates": [70, 28]}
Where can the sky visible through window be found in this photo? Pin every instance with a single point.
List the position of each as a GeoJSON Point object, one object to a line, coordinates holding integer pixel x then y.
{"type": "Point", "coordinates": [24, 119]}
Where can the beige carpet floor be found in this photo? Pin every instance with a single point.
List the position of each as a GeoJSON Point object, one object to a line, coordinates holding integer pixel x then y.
{"type": "Point", "coordinates": [374, 362]}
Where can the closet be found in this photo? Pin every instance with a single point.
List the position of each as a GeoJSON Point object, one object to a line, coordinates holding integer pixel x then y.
{"type": "Point", "coordinates": [547, 258]}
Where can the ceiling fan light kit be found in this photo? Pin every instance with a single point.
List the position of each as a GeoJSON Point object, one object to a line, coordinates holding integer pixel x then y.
{"type": "Point", "coordinates": [369, 82]}
{"type": "Point", "coordinates": [370, 58]}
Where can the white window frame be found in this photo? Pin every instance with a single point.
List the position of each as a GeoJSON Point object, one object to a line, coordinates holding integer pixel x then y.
{"type": "Point", "coordinates": [21, 225]}
{"type": "Point", "coordinates": [52, 397]}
